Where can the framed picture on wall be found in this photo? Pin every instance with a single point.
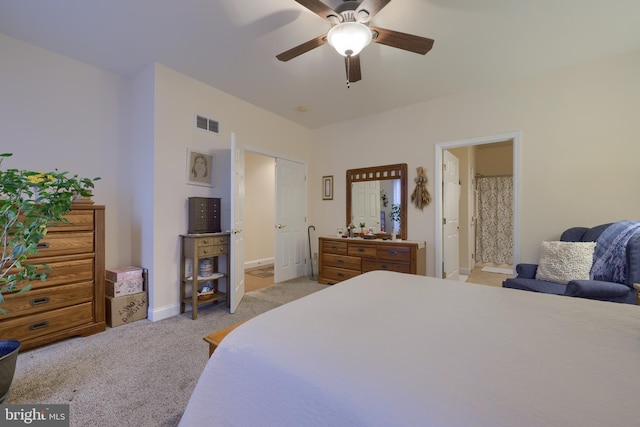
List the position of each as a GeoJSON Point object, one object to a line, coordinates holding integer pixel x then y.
{"type": "Point", "coordinates": [200, 168]}
{"type": "Point", "coordinates": [327, 187]}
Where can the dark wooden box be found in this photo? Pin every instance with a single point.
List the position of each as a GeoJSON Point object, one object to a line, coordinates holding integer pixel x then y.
{"type": "Point", "coordinates": [204, 215]}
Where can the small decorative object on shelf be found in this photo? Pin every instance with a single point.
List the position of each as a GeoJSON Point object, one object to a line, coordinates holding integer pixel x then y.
{"type": "Point", "coordinates": [80, 199]}
{"type": "Point", "coordinates": [350, 227]}
{"type": "Point", "coordinates": [206, 293]}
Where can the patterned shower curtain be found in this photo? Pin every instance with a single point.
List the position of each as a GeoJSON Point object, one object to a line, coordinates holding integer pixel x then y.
{"type": "Point", "coordinates": [494, 230]}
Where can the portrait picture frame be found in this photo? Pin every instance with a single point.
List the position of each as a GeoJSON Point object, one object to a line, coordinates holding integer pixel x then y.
{"type": "Point", "coordinates": [200, 168]}
{"type": "Point", "coordinates": [327, 187]}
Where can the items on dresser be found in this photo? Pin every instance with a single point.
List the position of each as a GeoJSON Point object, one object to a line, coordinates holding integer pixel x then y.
{"type": "Point", "coordinates": [71, 301]}
{"type": "Point", "coordinates": [204, 215]}
{"type": "Point", "coordinates": [341, 258]}
{"type": "Point", "coordinates": [200, 284]}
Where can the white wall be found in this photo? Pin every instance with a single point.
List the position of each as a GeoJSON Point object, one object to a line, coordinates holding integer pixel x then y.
{"type": "Point", "coordinates": [178, 99]}
{"type": "Point", "coordinates": [56, 112]}
{"type": "Point", "coordinates": [579, 151]}
{"type": "Point", "coordinates": [138, 170]}
{"type": "Point", "coordinates": [578, 156]}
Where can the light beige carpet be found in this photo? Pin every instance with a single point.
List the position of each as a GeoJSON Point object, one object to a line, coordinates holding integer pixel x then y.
{"type": "Point", "coordinates": [140, 374]}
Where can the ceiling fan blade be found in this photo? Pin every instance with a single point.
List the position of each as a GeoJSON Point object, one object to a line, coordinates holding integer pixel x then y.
{"type": "Point", "coordinates": [372, 6]}
{"type": "Point", "coordinates": [302, 48]}
{"type": "Point", "coordinates": [319, 8]}
{"type": "Point", "coordinates": [404, 41]}
{"type": "Point", "coordinates": [352, 64]}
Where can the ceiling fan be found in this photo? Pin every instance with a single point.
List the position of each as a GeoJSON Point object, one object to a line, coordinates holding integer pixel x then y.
{"type": "Point", "coordinates": [350, 33]}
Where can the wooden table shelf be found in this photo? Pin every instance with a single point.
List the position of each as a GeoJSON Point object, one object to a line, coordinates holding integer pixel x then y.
{"type": "Point", "coordinates": [199, 247]}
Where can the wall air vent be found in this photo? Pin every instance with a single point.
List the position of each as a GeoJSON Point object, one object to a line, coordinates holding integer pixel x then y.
{"type": "Point", "coordinates": [207, 124]}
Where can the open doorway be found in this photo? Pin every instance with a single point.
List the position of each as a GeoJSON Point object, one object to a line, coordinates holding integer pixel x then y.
{"type": "Point", "coordinates": [488, 172]}
{"type": "Point", "coordinates": [275, 220]}
{"type": "Point", "coordinates": [259, 248]}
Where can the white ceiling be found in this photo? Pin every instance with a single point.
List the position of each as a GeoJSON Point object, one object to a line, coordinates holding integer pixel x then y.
{"type": "Point", "coordinates": [231, 45]}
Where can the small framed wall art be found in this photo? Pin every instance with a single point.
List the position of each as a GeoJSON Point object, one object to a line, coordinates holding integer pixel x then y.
{"type": "Point", "coordinates": [200, 168]}
{"type": "Point", "coordinates": [327, 187]}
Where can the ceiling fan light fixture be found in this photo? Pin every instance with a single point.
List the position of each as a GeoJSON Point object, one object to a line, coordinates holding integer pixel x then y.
{"type": "Point", "coordinates": [349, 38]}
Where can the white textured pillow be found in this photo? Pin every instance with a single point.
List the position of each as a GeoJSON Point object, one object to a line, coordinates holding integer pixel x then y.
{"type": "Point", "coordinates": [562, 262]}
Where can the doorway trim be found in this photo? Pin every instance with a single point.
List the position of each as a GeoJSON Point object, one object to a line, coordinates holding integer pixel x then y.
{"type": "Point", "coordinates": [516, 138]}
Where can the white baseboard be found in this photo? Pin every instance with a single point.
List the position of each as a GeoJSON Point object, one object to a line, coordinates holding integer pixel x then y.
{"type": "Point", "coordinates": [163, 313]}
{"type": "Point", "coordinates": [259, 262]}
{"type": "Point", "coordinates": [465, 271]}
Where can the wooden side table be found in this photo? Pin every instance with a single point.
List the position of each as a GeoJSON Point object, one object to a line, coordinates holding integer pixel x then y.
{"type": "Point", "coordinates": [199, 247]}
{"type": "Point", "coordinates": [637, 287]}
{"type": "Point", "coordinates": [216, 338]}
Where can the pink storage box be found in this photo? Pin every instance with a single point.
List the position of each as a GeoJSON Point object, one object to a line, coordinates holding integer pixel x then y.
{"type": "Point", "coordinates": [124, 287]}
{"type": "Point", "coordinates": [124, 273]}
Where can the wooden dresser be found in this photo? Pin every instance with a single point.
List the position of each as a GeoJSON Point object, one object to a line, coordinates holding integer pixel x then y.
{"type": "Point", "coordinates": [71, 301]}
{"type": "Point", "coordinates": [341, 259]}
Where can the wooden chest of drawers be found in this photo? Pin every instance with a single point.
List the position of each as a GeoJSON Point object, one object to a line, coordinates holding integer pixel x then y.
{"type": "Point", "coordinates": [341, 259]}
{"type": "Point", "coordinates": [71, 301]}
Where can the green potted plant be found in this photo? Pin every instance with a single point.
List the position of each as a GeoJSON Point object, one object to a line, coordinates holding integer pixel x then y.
{"type": "Point", "coordinates": [29, 200]}
{"type": "Point", "coordinates": [395, 219]}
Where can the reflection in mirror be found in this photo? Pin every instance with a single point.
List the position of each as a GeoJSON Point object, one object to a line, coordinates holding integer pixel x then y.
{"type": "Point", "coordinates": [372, 194]}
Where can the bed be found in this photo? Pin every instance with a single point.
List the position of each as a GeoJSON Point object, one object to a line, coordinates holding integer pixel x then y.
{"type": "Point", "coordinates": [391, 349]}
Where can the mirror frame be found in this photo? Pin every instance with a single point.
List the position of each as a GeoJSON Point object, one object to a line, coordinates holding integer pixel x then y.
{"type": "Point", "coordinates": [377, 173]}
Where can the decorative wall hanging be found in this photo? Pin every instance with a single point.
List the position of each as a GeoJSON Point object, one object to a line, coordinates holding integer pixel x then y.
{"type": "Point", "coordinates": [327, 187]}
{"type": "Point", "coordinates": [421, 196]}
{"type": "Point", "coordinates": [200, 168]}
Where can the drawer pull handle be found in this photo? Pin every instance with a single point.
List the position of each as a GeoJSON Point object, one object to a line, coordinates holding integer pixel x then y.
{"type": "Point", "coordinates": [43, 245]}
{"type": "Point", "coordinates": [394, 253]}
{"type": "Point", "coordinates": [38, 301]}
{"type": "Point", "coordinates": [340, 261]}
{"type": "Point", "coordinates": [205, 241]}
{"type": "Point", "coordinates": [360, 249]}
{"type": "Point", "coordinates": [340, 275]}
{"type": "Point", "coordinates": [205, 251]}
{"type": "Point", "coordinates": [384, 267]}
{"type": "Point", "coordinates": [39, 326]}
{"type": "Point", "coordinates": [334, 248]}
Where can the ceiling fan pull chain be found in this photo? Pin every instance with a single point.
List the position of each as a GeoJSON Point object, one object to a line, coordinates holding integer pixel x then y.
{"type": "Point", "coordinates": [348, 70]}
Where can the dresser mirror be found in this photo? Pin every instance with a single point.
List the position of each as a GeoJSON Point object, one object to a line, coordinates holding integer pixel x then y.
{"type": "Point", "coordinates": [371, 195]}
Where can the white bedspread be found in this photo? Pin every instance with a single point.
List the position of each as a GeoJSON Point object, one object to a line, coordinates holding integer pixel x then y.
{"type": "Point", "coordinates": [389, 349]}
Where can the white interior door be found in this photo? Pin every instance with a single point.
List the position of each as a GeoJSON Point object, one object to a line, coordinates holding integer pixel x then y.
{"type": "Point", "coordinates": [236, 290]}
{"type": "Point", "coordinates": [450, 216]}
{"type": "Point", "coordinates": [365, 197]}
{"type": "Point", "coordinates": [291, 220]}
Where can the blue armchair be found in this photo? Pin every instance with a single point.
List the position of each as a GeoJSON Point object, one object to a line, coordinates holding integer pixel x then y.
{"type": "Point", "coordinates": [615, 290]}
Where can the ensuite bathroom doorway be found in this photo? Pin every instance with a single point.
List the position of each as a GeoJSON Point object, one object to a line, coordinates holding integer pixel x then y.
{"type": "Point", "coordinates": [487, 209]}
